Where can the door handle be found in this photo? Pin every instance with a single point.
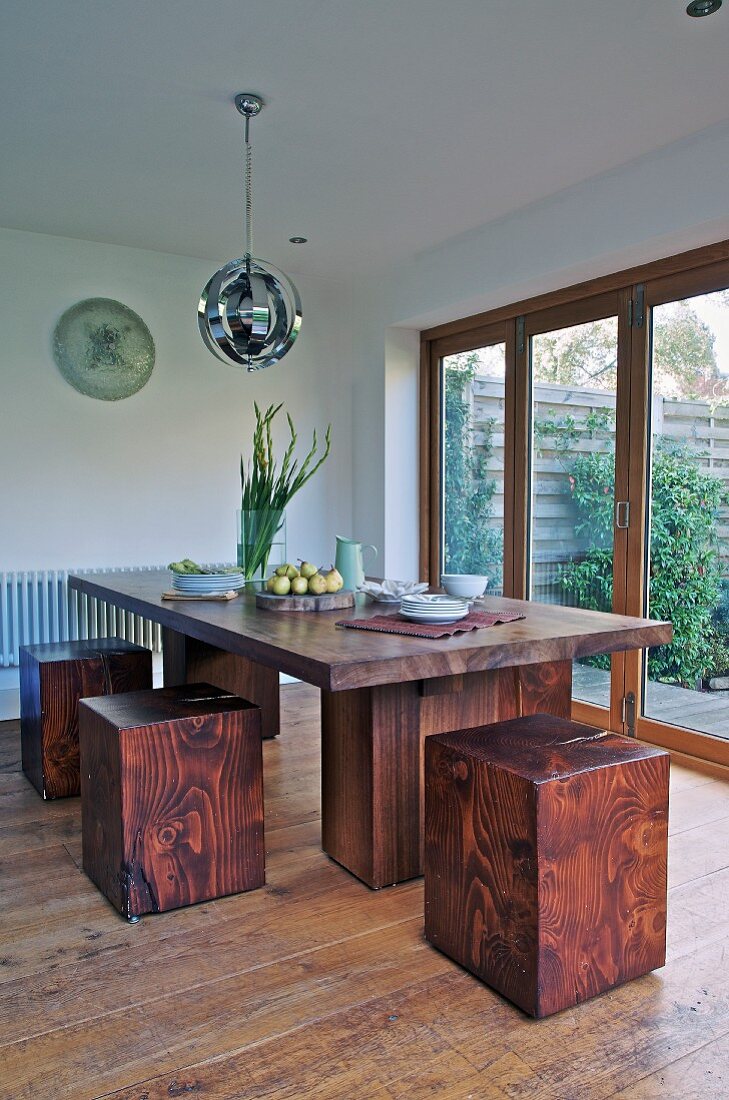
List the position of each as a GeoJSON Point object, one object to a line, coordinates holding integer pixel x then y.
{"type": "Point", "coordinates": [622, 514]}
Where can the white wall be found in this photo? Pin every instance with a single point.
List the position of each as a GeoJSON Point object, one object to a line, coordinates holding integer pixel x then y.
{"type": "Point", "coordinates": [155, 476]}
{"type": "Point", "coordinates": [660, 204]}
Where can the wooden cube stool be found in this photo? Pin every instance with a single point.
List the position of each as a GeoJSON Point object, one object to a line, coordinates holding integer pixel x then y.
{"type": "Point", "coordinates": [545, 857]}
{"type": "Point", "coordinates": [53, 677]}
{"type": "Point", "coordinates": [171, 796]}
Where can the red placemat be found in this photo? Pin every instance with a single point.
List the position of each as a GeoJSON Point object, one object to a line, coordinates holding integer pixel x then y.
{"type": "Point", "coordinates": [393, 624]}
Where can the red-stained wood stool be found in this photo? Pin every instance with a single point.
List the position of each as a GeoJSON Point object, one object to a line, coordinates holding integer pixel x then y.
{"type": "Point", "coordinates": [53, 677]}
{"type": "Point", "coordinates": [171, 797]}
{"type": "Point", "coordinates": [545, 858]}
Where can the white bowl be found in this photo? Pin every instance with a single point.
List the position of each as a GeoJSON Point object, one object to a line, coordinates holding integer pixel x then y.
{"type": "Point", "coordinates": [466, 585]}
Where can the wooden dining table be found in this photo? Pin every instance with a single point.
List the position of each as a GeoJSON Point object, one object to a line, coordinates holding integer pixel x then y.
{"type": "Point", "coordinates": [381, 694]}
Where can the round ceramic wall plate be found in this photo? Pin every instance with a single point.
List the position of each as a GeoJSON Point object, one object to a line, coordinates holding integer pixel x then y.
{"type": "Point", "coordinates": [103, 349]}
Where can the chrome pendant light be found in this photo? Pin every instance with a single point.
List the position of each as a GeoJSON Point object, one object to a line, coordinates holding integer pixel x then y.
{"type": "Point", "coordinates": [249, 312]}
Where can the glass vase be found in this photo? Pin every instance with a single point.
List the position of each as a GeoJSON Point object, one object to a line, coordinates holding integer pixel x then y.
{"type": "Point", "coordinates": [261, 538]}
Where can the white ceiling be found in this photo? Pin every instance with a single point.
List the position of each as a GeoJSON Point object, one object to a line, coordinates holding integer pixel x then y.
{"type": "Point", "coordinates": [391, 125]}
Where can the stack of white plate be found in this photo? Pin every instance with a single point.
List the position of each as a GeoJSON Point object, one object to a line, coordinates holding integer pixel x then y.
{"type": "Point", "coordinates": [433, 609]}
{"type": "Point", "coordinates": [206, 584]}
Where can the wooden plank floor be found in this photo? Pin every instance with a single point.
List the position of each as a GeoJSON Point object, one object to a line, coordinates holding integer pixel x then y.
{"type": "Point", "coordinates": [316, 986]}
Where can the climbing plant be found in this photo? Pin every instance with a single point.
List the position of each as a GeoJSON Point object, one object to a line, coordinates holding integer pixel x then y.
{"type": "Point", "coordinates": [472, 543]}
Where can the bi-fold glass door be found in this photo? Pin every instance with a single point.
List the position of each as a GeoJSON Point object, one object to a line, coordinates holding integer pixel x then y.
{"type": "Point", "coordinates": [629, 496]}
{"type": "Point", "coordinates": [473, 458]}
{"type": "Point", "coordinates": [578, 387]}
{"type": "Point", "coordinates": [682, 689]}
{"type": "Point", "coordinates": [530, 422]}
{"type": "Point", "coordinates": [579, 454]}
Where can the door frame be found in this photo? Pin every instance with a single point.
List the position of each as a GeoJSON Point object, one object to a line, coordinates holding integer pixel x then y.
{"type": "Point", "coordinates": [637, 290]}
{"type": "Point", "coordinates": [613, 303]}
{"type": "Point", "coordinates": [674, 286]}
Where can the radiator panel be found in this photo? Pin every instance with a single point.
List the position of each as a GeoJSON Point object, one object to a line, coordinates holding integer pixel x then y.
{"type": "Point", "coordinates": [39, 607]}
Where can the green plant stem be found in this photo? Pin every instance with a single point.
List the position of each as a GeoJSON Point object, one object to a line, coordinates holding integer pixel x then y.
{"type": "Point", "coordinates": [266, 488]}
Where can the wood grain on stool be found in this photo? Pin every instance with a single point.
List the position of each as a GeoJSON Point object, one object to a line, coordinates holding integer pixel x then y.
{"type": "Point", "coordinates": [171, 796]}
{"type": "Point", "coordinates": [189, 661]}
{"type": "Point", "coordinates": [53, 677]}
{"type": "Point", "coordinates": [545, 858]}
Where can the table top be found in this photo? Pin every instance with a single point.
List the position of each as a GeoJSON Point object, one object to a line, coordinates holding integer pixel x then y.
{"type": "Point", "coordinates": [309, 646]}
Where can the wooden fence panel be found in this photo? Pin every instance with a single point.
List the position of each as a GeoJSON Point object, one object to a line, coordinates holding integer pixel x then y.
{"type": "Point", "coordinates": [703, 428]}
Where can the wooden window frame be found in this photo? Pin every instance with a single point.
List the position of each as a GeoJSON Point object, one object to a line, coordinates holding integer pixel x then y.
{"type": "Point", "coordinates": [431, 410]}
{"type": "Point", "coordinates": [698, 271]}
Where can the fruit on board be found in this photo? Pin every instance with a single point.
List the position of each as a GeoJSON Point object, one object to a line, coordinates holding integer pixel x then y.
{"type": "Point", "coordinates": [334, 580]}
{"type": "Point", "coordinates": [287, 570]}
{"type": "Point", "coordinates": [317, 585]}
{"type": "Point", "coordinates": [306, 580]}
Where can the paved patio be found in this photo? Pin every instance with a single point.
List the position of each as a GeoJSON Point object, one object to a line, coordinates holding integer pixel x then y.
{"type": "Point", "coordinates": [705, 711]}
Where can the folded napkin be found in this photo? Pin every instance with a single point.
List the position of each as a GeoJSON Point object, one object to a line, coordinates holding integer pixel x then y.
{"type": "Point", "coordinates": [390, 591]}
{"type": "Point", "coordinates": [393, 624]}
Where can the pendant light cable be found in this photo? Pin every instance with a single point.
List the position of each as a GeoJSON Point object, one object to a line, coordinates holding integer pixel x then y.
{"type": "Point", "coordinates": [248, 192]}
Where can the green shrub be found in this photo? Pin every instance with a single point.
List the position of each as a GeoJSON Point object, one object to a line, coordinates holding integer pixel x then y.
{"type": "Point", "coordinates": [685, 569]}
{"type": "Point", "coordinates": [472, 544]}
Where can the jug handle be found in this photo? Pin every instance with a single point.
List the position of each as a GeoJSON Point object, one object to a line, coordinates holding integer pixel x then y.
{"type": "Point", "coordinates": [369, 546]}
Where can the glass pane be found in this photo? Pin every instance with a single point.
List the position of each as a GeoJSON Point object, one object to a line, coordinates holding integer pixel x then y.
{"type": "Point", "coordinates": [689, 514]}
{"type": "Point", "coordinates": [574, 378]}
{"type": "Point", "coordinates": [473, 464]}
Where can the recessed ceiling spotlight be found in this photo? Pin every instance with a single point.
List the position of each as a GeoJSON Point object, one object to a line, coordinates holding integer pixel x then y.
{"type": "Point", "coordinates": [298, 240]}
{"type": "Point", "coordinates": [697, 8]}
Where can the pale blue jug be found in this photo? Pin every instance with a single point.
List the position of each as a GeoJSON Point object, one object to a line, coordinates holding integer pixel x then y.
{"type": "Point", "coordinates": [349, 561]}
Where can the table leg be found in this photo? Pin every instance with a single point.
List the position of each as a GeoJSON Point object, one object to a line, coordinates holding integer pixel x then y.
{"type": "Point", "coordinates": [372, 756]}
{"type": "Point", "coordinates": [185, 660]}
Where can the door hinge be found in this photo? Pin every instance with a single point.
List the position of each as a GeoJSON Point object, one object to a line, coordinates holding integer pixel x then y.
{"type": "Point", "coordinates": [520, 337]}
{"type": "Point", "coordinates": [636, 308]}
{"type": "Point", "coordinates": [628, 713]}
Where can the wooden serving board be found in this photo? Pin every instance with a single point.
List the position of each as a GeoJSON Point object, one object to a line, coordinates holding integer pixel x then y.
{"type": "Point", "coordinates": [330, 601]}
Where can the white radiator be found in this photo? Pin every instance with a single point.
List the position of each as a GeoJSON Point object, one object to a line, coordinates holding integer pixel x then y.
{"type": "Point", "coordinates": [40, 607]}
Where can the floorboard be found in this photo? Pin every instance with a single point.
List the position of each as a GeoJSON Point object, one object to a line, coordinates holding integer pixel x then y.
{"type": "Point", "coordinates": [315, 985]}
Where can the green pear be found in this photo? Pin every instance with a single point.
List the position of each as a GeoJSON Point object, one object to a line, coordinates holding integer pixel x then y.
{"type": "Point", "coordinates": [291, 572]}
{"type": "Point", "coordinates": [334, 580]}
{"type": "Point", "coordinates": [270, 583]}
{"type": "Point", "coordinates": [317, 585]}
{"type": "Point", "coordinates": [299, 586]}
{"type": "Point", "coordinates": [281, 586]}
{"type": "Point", "coordinates": [282, 570]}
{"type": "Point", "coordinates": [307, 569]}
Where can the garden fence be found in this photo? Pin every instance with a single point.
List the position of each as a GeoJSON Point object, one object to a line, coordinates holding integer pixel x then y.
{"type": "Point", "coordinates": [703, 428]}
